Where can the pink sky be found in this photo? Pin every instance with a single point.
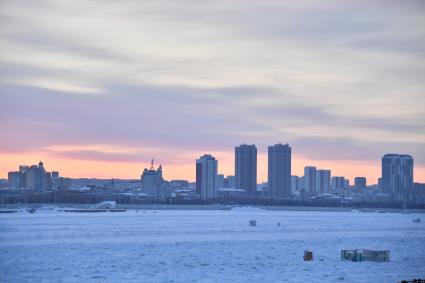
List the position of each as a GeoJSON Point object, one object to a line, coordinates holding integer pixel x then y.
{"type": "Point", "coordinates": [186, 170]}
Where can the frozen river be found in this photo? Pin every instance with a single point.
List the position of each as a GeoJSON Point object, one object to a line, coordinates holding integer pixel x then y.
{"type": "Point", "coordinates": [207, 246]}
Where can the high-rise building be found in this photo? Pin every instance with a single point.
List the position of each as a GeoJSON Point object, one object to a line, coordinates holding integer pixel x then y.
{"type": "Point", "coordinates": [151, 180]}
{"type": "Point", "coordinates": [220, 180]}
{"type": "Point", "coordinates": [323, 181]}
{"type": "Point", "coordinates": [55, 180]}
{"type": "Point", "coordinates": [230, 181]}
{"type": "Point", "coordinates": [206, 176]}
{"type": "Point", "coordinates": [279, 171]}
{"type": "Point", "coordinates": [33, 177]}
{"type": "Point", "coordinates": [397, 176]}
{"type": "Point", "coordinates": [301, 184]}
{"type": "Point", "coordinates": [23, 171]}
{"type": "Point", "coordinates": [48, 180]}
{"type": "Point", "coordinates": [418, 193]}
{"type": "Point", "coordinates": [14, 179]}
{"type": "Point", "coordinates": [246, 169]}
{"type": "Point", "coordinates": [198, 181]}
{"type": "Point", "coordinates": [296, 184]}
{"type": "Point", "coordinates": [36, 177]}
{"type": "Point", "coordinates": [346, 183]}
{"type": "Point", "coordinates": [360, 183]}
{"type": "Point", "coordinates": [338, 184]}
{"type": "Point", "coordinates": [310, 179]}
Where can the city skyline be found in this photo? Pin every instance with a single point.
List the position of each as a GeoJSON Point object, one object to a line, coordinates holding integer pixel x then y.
{"type": "Point", "coordinates": [259, 181]}
{"type": "Point", "coordinates": [395, 186]}
{"type": "Point", "coordinates": [212, 141]}
{"type": "Point", "coordinates": [97, 90]}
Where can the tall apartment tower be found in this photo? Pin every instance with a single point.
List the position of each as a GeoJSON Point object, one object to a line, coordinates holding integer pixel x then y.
{"type": "Point", "coordinates": [323, 181]}
{"type": "Point", "coordinates": [206, 176]}
{"type": "Point", "coordinates": [310, 179]}
{"type": "Point", "coordinates": [246, 169]}
{"type": "Point", "coordinates": [397, 176]}
{"type": "Point", "coordinates": [279, 171]}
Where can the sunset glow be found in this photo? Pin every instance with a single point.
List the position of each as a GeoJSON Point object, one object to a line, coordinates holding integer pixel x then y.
{"type": "Point", "coordinates": [99, 90]}
{"type": "Point", "coordinates": [185, 167]}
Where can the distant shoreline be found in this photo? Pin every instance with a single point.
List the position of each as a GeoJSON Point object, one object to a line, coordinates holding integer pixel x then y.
{"type": "Point", "coordinates": [214, 207]}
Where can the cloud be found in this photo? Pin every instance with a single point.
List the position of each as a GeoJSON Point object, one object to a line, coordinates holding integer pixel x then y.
{"type": "Point", "coordinates": [337, 80]}
{"type": "Point", "coordinates": [183, 117]}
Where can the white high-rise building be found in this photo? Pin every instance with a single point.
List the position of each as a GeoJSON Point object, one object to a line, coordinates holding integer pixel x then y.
{"type": "Point", "coordinates": [206, 176]}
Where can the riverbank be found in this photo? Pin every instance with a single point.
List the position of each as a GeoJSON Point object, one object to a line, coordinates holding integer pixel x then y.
{"type": "Point", "coordinates": [211, 207]}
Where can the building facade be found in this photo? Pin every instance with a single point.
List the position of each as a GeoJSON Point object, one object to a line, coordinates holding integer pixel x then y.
{"type": "Point", "coordinates": [246, 169]}
{"type": "Point", "coordinates": [33, 177]}
{"type": "Point", "coordinates": [151, 180]}
{"type": "Point", "coordinates": [14, 180]}
{"type": "Point", "coordinates": [297, 184]}
{"type": "Point", "coordinates": [310, 179]}
{"type": "Point", "coordinates": [338, 184]}
{"type": "Point", "coordinates": [206, 177]}
{"type": "Point", "coordinates": [220, 180]}
{"type": "Point", "coordinates": [360, 183]}
{"type": "Point", "coordinates": [397, 176]}
{"type": "Point", "coordinates": [323, 181]}
{"type": "Point", "coordinates": [418, 194]}
{"type": "Point", "coordinates": [279, 171]}
{"type": "Point", "coordinates": [230, 181]}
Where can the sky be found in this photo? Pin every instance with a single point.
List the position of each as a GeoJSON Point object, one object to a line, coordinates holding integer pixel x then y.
{"type": "Point", "coordinates": [99, 88]}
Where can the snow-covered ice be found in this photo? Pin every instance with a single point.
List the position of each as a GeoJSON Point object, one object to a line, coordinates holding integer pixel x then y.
{"type": "Point", "coordinates": [207, 246]}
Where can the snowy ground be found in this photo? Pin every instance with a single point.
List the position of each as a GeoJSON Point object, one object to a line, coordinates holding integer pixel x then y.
{"type": "Point", "coordinates": [207, 246]}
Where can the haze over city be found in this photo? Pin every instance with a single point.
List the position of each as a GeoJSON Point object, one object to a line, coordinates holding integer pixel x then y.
{"type": "Point", "coordinates": [98, 90]}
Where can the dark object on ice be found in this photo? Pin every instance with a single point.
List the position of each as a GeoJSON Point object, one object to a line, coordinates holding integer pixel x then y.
{"type": "Point", "coordinates": [7, 211]}
{"type": "Point", "coordinates": [413, 281]}
{"type": "Point", "coordinates": [31, 209]}
{"type": "Point", "coordinates": [84, 210]}
{"type": "Point", "coordinates": [93, 210]}
{"type": "Point", "coordinates": [365, 255]}
{"type": "Point", "coordinates": [278, 224]}
{"type": "Point", "coordinates": [253, 223]}
{"type": "Point", "coordinates": [117, 210]}
{"type": "Point", "coordinates": [308, 255]}
{"type": "Point", "coordinates": [417, 220]}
